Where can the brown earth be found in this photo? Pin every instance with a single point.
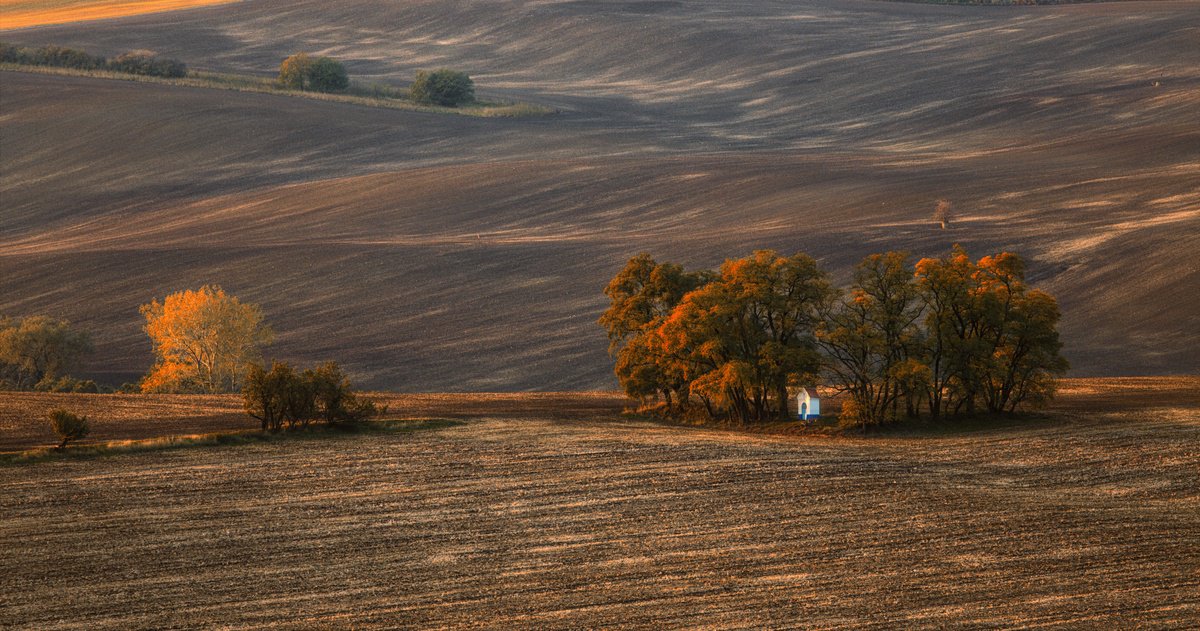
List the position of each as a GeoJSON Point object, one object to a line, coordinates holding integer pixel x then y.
{"type": "Point", "coordinates": [124, 417]}
{"type": "Point", "coordinates": [441, 253]}
{"type": "Point", "coordinates": [544, 512]}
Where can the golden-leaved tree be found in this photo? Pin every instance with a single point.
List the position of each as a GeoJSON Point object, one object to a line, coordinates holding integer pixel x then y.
{"type": "Point", "coordinates": [203, 340]}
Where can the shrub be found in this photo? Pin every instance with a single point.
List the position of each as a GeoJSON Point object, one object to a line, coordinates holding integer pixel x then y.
{"type": "Point", "coordinates": [50, 56]}
{"type": "Point", "coordinates": [68, 426]}
{"type": "Point", "coordinates": [145, 62]}
{"type": "Point", "coordinates": [68, 384]}
{"type": "Point", "coordinates": [9, 54]}
{"type": "Point", "coordinates": [449, 88]}
{"type": "Point", "coordinates": [283, 397]}
{"type": "Point", "coordinates": [322, 74]}
{"type": "Point", "coordinates": [294, 71]}
{"type": "Point", "coordinates": [328, 75]}
{"type": "Point", "coordinates": [266, 394]}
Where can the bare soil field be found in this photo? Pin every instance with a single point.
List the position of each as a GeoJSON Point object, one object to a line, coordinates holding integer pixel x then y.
{"type": "Point", "coordinates": [435, 253]}
{"type": "Point", "coordinates": [544, 511]}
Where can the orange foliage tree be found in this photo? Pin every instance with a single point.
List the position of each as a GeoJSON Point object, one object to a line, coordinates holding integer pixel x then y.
{"type": "Point", "coordinates": [948, 332]}
{"type": "Point", "coordinates": [203, 340]}
{"type": "Point", "coordinates": [992, 339]}
{"type": "Point", "coordinates": [733, 340]}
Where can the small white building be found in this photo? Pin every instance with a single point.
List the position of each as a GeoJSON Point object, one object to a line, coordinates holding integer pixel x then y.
{"type": "Point", "coordinates": [808, 404]}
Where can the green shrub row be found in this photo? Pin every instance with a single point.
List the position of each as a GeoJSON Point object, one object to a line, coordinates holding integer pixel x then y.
{"type": "Point", "coordinates": [140, 62]}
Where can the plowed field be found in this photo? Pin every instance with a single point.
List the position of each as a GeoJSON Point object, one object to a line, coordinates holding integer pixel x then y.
{"type": "Point", "coordinates": [536, 519]}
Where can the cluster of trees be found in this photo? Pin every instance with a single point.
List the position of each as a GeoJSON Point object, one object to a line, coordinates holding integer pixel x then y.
{"type": "Point", "coordinates": [318, 74]}
{"type": "Point", "coordinates": [208, 341]}
{"type": "Point", "coordinates": [141, 62]}
{"type": "Point", "coordinates": [945, 335]}
{"type": "Point", "coordinates": [283, 397]}
{"type": "Point", "coordinates": [38, 352]}
{"type": "Point", "coordinates": [445, 87]}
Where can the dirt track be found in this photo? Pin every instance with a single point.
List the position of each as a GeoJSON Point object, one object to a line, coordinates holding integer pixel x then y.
{"type": "Point", "coordinates": [452, 254]}
{"type": "Point", "coordinates": [509, 522]}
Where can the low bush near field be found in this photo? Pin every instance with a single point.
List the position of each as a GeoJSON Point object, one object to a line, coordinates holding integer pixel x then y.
{"type": "Point", "coordinates": [448, 88]}
{"type": "Point", "coordinates": [139, 62]}
{"type": "Point", "coordinates": [282, 397]}
{"type": "Point", "coordinates": [319, 74]}
{"type": "Point", "coordinates": [69, 426]}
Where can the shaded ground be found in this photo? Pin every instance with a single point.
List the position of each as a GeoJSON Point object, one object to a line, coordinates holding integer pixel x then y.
{"type": "Point", "coordinates": [23, 415]}
{"type": "Point", "coordinates": [544, 521]}
{"type": "Point", "coordinates": [431, 253]}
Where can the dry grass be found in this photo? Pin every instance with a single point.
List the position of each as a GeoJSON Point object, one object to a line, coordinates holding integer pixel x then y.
{"type": "Point", "coordinates": [545, 521]}
{"type": "Point", "coordinates": [27, 13]}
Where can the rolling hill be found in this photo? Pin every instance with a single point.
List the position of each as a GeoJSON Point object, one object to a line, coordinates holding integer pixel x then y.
{"type": "Point", "coordinates": [433, 252]}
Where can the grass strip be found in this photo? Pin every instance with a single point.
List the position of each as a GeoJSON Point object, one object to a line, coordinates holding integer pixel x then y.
{"type": "Point", "coordinates": [235, 437]}
{"type": "Point", "coordinates": [377, 95]}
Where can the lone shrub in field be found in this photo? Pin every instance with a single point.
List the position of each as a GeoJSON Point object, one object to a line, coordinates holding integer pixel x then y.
{"type": "Point", "coordinates": [449, 88]}
{"type": "Point", "coordinates": [321, 74]}
{"type": "Point", "coordinates": [284, 397]}
{"type": "Point", "coordinates": [69, 426]}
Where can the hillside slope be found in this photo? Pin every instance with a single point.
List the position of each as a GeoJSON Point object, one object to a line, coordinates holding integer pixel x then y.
{"type": "Point", "coordinates": [442, 253]}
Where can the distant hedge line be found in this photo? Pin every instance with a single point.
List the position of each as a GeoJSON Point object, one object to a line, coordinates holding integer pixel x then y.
{"type": "Point", "coordinates": [142, 62]}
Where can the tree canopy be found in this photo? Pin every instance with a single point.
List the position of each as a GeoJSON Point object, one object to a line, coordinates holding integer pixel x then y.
{"type": "Point", "coordinates": [38, 350]}
{"type": "Point", "coordinates": [947, 334]}
{"type": "Point", "coordinates": [445, 87]}
{"type": "Point", "coordinates": [734, 340]}
{"type": "Point", "coordinates": [319, 74]}
{"type": "Point", "coordinates": [203, 340]}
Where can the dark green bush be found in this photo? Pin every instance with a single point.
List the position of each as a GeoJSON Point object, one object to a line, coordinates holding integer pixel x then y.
{"type": "Point", "coordinates": [68, 426]}
{"type": "Point", "coordinates": [449, 88]}
{"type": "Point", "coordinates": [328, 75]}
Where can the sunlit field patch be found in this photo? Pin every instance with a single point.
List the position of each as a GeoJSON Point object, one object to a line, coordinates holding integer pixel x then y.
{"type": "Point", "coordinates": [33, 13]}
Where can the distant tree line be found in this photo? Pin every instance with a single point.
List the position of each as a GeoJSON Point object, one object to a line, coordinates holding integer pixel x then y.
{"type": "Point", "coordinates": [139, 62]}
{"type": "Point", "coordinates": [444, 87]}
{"type": "Point", "coordinates": [943, 336]}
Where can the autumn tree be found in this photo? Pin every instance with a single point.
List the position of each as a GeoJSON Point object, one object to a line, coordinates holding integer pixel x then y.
{"type": "Point", "coordinates": [943, 213]}
{"type": "Point", "coordinates": [1019, 346]}
{"type": "Point", "coordinates": [990, 337]}
{"type": "Point", "coordinates": [203, 340]}
{"type": "Point", "coordinates": [39, 350]}
{"type": "Point", "coordinates": [748, 334]}
{"type": "Point", "coordinates": [641, 296]}
{"type": "Point", "coordinates": [873, 340]}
